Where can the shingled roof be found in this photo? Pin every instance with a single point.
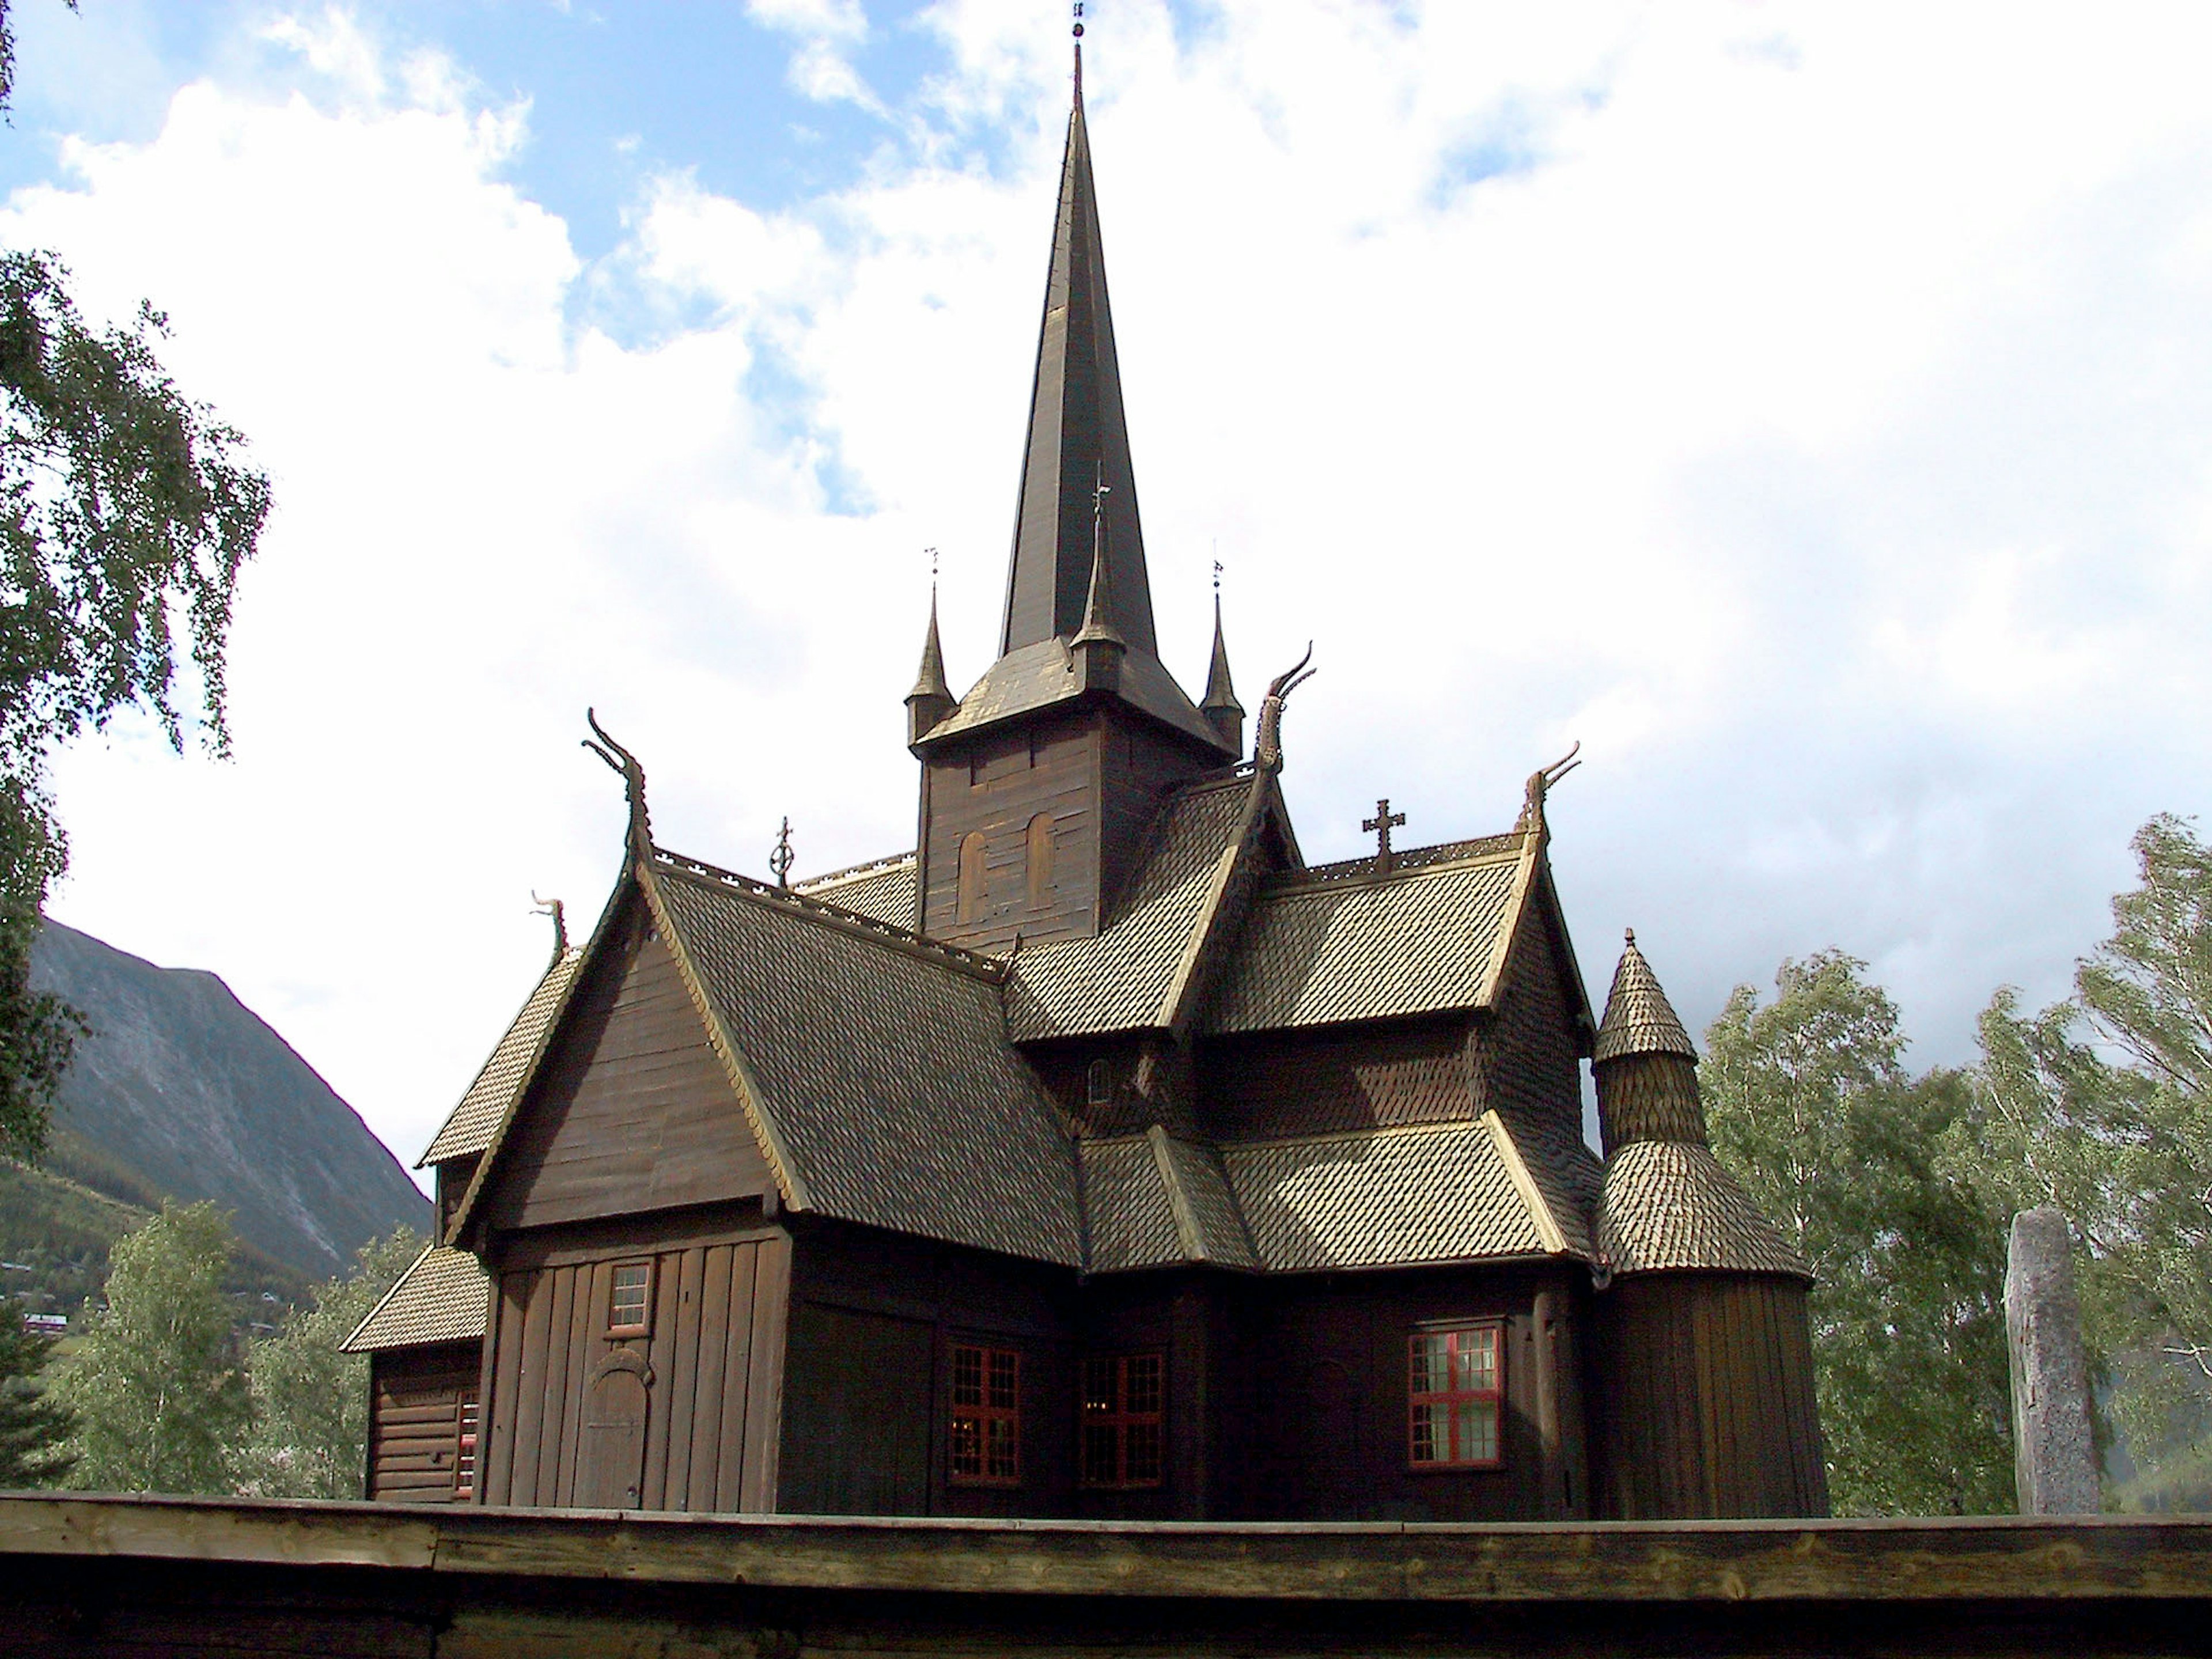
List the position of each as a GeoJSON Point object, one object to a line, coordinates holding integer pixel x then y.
{"type": "Point", "coordinates": [1123, 979]}
{"type": "Point", "coordinates": [468, 1129]}
{"type": "Point", "coordinates": [876, 1066]}
{"type": "Point", "coordinates": [1669, 1204]}
{"type": "Point", "coordinates": [882, 890]}
{"type": "Point", "coordinates": [1387, 1198]}
{"type": "Point", "coordinates": [442, 1298]}
{"type": "Point", "coordinates": [1319, 949]}
{"type": "Point", "coordinates": [1390, 1198]}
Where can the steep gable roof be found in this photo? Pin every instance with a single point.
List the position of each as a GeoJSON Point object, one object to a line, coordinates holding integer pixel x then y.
{"type": "Point", "coordinates": [881, 889]}
{"type": "Point", "coordinates": [878, 1067]}
{"type": "Point", "coordinates": [1140, 971]}
{"type": "Point", "coordinates": [468, 1129]}
{"type": "Point", "coordinates": [443, 1297]}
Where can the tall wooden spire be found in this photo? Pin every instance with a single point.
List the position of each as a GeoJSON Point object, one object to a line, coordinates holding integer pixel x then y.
{"type": "Point", "coordinates": [1077, 437]}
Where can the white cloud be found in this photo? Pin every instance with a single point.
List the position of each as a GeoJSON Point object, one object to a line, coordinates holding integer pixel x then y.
{"type": "Point", "coordinates": [1805, 408]}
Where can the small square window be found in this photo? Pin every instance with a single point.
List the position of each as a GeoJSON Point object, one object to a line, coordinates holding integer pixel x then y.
{"type": "Point", "coordinates": [984, 1446]}
{"type": "Point", "coordinates": [1456, 1393]}
{"type": "Point", "coordinates": [629, 1303]}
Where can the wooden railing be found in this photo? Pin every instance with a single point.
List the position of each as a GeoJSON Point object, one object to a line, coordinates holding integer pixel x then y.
{"type": "Point", "coordinates": [99, 1574]}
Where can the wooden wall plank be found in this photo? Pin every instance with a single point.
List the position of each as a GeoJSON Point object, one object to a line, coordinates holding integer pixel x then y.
{"type": "Point", "coordinates": [661, 1354]}
{"type": "Point", "coordinates": [737, 1368]}
{"type": "Point", "coordinates": [707, 1391]}
{"type": "Point", "coordinates": [560, 1337]}
{"type": "Point", "coordinates": [530, 1388]}
{"type": "Point", "coordinates": [765, 1378]}
{"type": "Point", "coordinates": [502, 1364]}
{"type": "Point", "coordinates": [683, 1375]}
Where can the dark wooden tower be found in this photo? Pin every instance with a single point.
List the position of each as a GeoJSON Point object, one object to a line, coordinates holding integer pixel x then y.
{"type": "Point", "coordinates": [1710, 1407]}
{"type": "Point", "coordinates": [1038, 786]}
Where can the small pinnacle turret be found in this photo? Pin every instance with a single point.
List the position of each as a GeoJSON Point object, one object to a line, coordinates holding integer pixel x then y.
{"type": "Point", "coordinates": [932, 699]}
{"type": "Point", "coordinates": [1098, 648]}
{"type": "Point", "coordinates": [1222, 710]}
{"type": "Point", "coordinates": [1638, 1018]}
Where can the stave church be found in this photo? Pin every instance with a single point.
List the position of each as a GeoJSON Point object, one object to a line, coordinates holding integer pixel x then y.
{"type": "Point", "coordinates": [1099, 1157]}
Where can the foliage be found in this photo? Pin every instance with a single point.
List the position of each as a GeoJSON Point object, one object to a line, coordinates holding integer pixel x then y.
{"type": "Point", "coordinates": [1810, 1106]}
{"type": "Point", "coordinates": [33, 1425]}
{"type": "Point", "coordinates": [310, 1420]}
{"type": "Point", "coordinates": [163, 1404]}
{"type": "Point", "coordinates": [2102, 1106]}
{"type": "Point", "coordinates": [127, 513]}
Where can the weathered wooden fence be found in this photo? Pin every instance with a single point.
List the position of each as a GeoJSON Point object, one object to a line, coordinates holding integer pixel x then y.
{"type": "Point", "coordinates": [182, 1576]}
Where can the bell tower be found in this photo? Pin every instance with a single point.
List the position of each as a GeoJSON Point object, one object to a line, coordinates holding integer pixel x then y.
{"type": "Point", "coordinates": [1037, 787]}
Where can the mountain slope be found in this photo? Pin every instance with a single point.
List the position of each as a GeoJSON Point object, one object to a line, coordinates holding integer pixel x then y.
{"type": "Point", "coordinates": [182, 1091]}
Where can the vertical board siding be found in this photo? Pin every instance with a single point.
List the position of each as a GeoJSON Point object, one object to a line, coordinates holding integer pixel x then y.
{"type": "Point", "coordinates": [1711, 1412]}
{"type": "Point", "coordinates": [710, 1370]}
{"type": "Point", "coordinates": [1048, 770]}
{"type": "Point", "coordinates": [737, 1367]}
{"type": "Point", "coordinates": [634, 1111]}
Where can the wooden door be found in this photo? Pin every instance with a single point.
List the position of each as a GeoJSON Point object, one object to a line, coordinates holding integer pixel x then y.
{"type": "Point", "coordinates": [610, 1463]}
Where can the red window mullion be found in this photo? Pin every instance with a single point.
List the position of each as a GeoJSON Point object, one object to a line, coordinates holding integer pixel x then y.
{"type": "Point", "coordinates": [985, 1428]}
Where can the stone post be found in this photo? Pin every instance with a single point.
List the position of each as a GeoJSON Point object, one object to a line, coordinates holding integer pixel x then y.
{"type": "Point", "coordinates": [2054, 1457]}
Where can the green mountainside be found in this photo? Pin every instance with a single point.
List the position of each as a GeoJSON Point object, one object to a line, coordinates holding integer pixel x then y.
{"type": "Point", "coordinates": [181, 1092]}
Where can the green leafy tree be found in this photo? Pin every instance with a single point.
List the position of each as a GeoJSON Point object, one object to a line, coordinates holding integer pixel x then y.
{"type": "Point", "coordinates": [162, 1400]}
{"type": "Point", "coordinates": [126, 513]}
{"type": "Point", "coordinates": [311, 1418]}
{"type": "Point", "coordinates": [1810, 1106]}
{"type": "Point", "coordinates": [33, 1425]}
{"type": "Point", "coordinates": [2102, 1106]}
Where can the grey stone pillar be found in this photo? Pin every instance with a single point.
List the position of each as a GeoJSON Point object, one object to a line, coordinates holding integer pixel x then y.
{"type": "Point", "coordinates": [2054, 1457]}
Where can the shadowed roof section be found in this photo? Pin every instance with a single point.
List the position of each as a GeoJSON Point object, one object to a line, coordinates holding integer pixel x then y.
{"type": "Point", "coordinates": [1322, 948]}
{"type": "Point", "coordinates": [881, 1066]}
{"type": "Point", "coordinates": [442, 1298]}
{"type": "Point", "coordinates": [469, 1129]}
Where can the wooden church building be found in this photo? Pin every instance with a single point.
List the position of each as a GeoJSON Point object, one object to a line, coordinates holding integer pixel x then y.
{"type": "Point", "coordinates": [1100, 1157]}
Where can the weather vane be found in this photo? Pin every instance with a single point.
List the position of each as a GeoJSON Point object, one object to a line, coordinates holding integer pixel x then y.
{"type": "Point", "coordinates": [779, 861]}
{"type": "Point", "coordinates": [1100, 491]}
{"type": "Point", "coordinates": [1079, 19]}
{"type": "Point", "coordinates": [1217, 575]}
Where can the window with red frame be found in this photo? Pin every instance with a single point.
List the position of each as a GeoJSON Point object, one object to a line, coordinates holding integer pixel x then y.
{"type": "Point", "coordinates": [1124, 1398]}
{"type": "Point", "coordinates": [986, 1417]}
{"type": "Point", "coordinates": [1457, 1393]}
{"type": "Point", "coordinates": [464, 1452]}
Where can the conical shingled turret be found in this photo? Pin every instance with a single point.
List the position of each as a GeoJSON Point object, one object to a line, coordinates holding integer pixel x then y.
{"type": "Point", "coordinates": [1222, 710]}
{"type": "Point", "coordinates": [1638, 1018]}
{"type": "Point", "coordinates": [932, 699]}
{"type": "Point", "coordinates": [1667, 1204]}
{"type": "Point", "coordinates": [1099, 648]}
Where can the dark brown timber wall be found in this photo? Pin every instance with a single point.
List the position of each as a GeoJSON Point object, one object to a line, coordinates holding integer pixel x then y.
{"type": "Point", "coordinates": [685, 1415]}
{"type": "Point", "coordinates": [420, 1402]}
{"type": "Point", "coordinates": [635, 1112]}
{"type": "Point", "coordinates": [188, 1576]}
{"type": "Point", "coordinates": [1708, 1401]}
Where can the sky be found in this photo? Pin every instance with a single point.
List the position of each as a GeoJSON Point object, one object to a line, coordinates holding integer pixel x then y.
{"type": "Point", "coordinates": [1807, 408]}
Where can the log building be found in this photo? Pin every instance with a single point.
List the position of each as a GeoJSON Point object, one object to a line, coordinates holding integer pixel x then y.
{"type": "Point", "coordinates": [1099, 1158]}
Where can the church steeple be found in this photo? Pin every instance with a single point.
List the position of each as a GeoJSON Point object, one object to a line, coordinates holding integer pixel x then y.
{"type": "Point", "coordinates": [1222, 710]}
{"type": "Point", "coordinates": [1077, 437]}
{"type": "Point", "coordinates": [931, 700]}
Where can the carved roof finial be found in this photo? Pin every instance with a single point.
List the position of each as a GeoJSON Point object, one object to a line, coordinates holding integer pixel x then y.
{"type": "Point", "coordinates": [1268, 747]}
{"type": "Point", "coordinates": [554, 908]}
{"type": "Point", "coordinates": [1540, 785]}
{"type": "Point", "coordinates": [780, 860]}
{"type": "Point", "coordinates": [633, 777]}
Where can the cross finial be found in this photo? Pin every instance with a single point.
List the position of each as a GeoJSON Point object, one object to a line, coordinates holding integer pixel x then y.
{"type": "Point", "coordinates": [779, 861]}
{"type": "Point", "coordinates": [1382, 824]}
